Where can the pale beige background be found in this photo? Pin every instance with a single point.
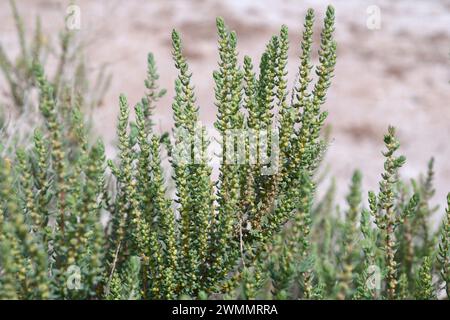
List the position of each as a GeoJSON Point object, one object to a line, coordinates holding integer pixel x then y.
{"type": "Point", "coordinates": [397, 75]}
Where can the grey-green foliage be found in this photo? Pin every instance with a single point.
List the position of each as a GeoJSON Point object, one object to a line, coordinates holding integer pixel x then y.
{"type": "Point", "coordinates": [70, 81]}
{"type": "Point", "coordinates": [74, 225]}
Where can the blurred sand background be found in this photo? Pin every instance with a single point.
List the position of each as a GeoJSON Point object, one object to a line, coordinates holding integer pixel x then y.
{"type": "Point", "coordinates": [396, 75]}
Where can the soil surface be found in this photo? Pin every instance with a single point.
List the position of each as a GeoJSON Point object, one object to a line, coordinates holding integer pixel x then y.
{"type": "Point", "coordinates": [397, 74]}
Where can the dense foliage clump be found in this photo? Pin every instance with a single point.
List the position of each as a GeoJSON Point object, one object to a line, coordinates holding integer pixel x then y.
{"type": "Point", "coordinates": [74, 225]}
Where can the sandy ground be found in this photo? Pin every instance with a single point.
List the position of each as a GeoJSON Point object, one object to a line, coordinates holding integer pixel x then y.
{"type": "Point", "coordinates": [396, 75]}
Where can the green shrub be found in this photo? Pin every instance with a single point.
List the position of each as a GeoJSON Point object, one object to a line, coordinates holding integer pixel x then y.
{"type": "Point", "coordinates": [70, 228]}
{"type": "Point", "coordinates": [19, 111]}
